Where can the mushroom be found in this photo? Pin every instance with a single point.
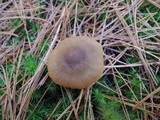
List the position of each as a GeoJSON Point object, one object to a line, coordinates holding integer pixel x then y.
{"type": "Point", "coordinates": [76, 62]}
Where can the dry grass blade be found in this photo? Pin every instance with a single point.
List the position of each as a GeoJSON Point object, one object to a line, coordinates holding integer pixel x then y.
{"type": "Point", "coordinates": [54, 109]}
{"type": "Point", "coordinates": [148, 96]}
{"type": "Point", "coordinates": [73, 105]}
{"type": "Point", "coordinates": [134, 41]}
{"type": "Point", "coordinates": [129, 34]}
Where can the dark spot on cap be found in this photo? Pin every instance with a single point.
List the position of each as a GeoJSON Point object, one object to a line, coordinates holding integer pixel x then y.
{"type": "Point", "coordinates": [74, 56]}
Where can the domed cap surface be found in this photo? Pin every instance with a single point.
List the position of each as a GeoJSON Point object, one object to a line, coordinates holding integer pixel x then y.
{"type": "Point", "coordinates": [76, 62]}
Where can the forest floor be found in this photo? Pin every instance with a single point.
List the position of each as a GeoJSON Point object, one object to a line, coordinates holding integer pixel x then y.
{"type": "Point", "coordinates": [129, 32]}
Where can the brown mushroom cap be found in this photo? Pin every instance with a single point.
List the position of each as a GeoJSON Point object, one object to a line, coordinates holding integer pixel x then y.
{"type": "Point", "coordinates": [76, 62]}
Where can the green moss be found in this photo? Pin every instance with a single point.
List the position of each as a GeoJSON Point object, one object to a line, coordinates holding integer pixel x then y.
{"type": "Point", "coordinates": [43, 48]}
{"type": "Point", "coordinates": [30, 64]}
{"type": "Point", "coordinates": [148, 7]}
{"type": "Point", "coordinates": [36, 114]}
{"type": "Point", "coordinates": [16, 22]}
{"type": "Point", "coordinates": [106, 109]}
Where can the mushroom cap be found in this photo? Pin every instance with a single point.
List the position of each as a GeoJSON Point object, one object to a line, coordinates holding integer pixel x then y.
{"type": "Point", "coordinates": [76, 62]}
